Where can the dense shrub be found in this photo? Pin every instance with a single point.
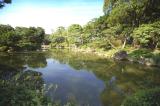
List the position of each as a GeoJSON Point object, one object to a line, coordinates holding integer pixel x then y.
{"type": "Point", "coordinates": [147, 35]}
{"type": "Point", "coordinates": [144, 98]}
{"type": "Point", "coordinates": [3, 48]}
{"type": "Point", "coordinates": [20, 38]}
{"type": "Point", "coordinates": [22, 88]}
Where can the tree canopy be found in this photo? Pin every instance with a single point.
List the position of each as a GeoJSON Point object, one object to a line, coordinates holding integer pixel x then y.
{"type": "Point", "coordinates": [21, 38]}
{"type": "Point", "coordinates": [126, 22]}
{"type": "Point", "coordinates": [3, 2]}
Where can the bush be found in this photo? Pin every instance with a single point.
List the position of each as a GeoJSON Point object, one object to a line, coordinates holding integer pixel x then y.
{"type": "Point", "coordinates": [144, 98]}
{"type": "Point", "coordinates": [147, 35]}
{"type": "Point", "coordinates": [141, 53]}
{"type": "Point", "coordinates": [3, 48]}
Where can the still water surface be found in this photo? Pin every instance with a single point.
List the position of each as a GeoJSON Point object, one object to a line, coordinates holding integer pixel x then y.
{"type": "Point", "coordinates": [86, 79]}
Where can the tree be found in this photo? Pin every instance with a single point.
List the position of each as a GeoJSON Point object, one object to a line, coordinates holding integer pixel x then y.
{"type": "Point", "coordinates": [93, 29]}
{"type": "Point", "coordinates": [7, 36]}
{"type": "Point", "coordinates": [3, 2]}
{"type": "Point", "coordinates": [108, 5]}
{"type": "Point", "coordinates": [130, 14]}
{"type": "Point", "coordinates": [75, 34]}
{"type": "Point", "coordinates": [36, 35]}
{"type": "Point", "coordinates": [147, 35]}
{"type": "Point", "coordinates": [58, 38]}
{"type": "Point", "coordinates": [134, 12]}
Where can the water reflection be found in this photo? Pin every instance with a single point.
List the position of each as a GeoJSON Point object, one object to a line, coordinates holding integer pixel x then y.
{"type": "Point", "coordinates": [84, 79]}
{"type": "Point", "coordinates": [18, 60]}
{"type": "Point", "coordinates": [79, 86]}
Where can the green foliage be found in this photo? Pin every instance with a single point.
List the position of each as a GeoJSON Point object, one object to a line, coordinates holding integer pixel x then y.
{"type": "Point", "coordinates": [99, 44]}
{"type": "Point", "coordinates": [7, 35]}
{"type": "Point", "coordinates": [127, 15]}
{"type": "Point", "coordinates": [75, 34]}
{"type": "Point", "coordinates": [22, 89]}
{"type": "Point", "coordinates": [19, 95]}
{"type": "Point", "coordinates": [108, 5]}
{"type": "Point", "coordinates": [125, 22]}
{"type": "Point", "coordinates": [66, 37]}
{"type": "Point", "coordinates": [146, 56]}
{"type": "Point", "coordinates": [144, 98]}
{"type": "Point", "coordinates": [3, 48]}
{"type": "Point", "coordinates": [141, 53]}
{"type": "Point", "coordinates": [21, 38]}
{"type": "Point", "coordinates": [148, 35]}
{"type": "Point", "coordinates": [120, 15]}
{"type": "Point", "coordinates": [3, 2]}
{"type": "Point", "coordinates": [59, 32]}
{"type": "Point", "coordinates": [115, 28]}
{"type": "Point", "coordinates": [134, 12]}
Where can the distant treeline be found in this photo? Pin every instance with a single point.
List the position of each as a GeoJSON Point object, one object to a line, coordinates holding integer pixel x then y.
{"type": "Point", "coordinates": [133, 23]}
{"type": "Point", "coordinates": [20, 38]}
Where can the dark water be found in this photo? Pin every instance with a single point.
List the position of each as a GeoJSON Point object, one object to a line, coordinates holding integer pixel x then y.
{"type": "Point", "coordinates": [85, 79]}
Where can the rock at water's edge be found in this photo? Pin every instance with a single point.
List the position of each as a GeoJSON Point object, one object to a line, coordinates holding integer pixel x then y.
{"type": "Point", "coordinates": [121, 55]}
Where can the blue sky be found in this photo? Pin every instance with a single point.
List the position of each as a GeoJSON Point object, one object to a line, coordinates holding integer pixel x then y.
{"type": "Point", "coordinates": [50, 14]}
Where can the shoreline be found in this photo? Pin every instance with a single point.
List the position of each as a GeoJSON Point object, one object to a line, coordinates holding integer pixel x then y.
{"type": "Point", "coordinates": [111, 53]}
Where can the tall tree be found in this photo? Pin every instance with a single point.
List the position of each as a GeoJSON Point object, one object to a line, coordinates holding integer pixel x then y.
{"type": "Point", "coordinates": [3, 2]}
{"type": "Point", "coordinates": [75, 34]}
{"type": "Point", "coordinates": [108, 5]}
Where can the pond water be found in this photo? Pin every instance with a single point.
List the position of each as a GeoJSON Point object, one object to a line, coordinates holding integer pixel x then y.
{"type": "Point", "coordinates": [85, 79]}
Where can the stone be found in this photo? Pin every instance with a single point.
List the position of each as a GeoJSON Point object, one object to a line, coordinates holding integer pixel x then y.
{"type": "Point", "coordinates": [121, 55]}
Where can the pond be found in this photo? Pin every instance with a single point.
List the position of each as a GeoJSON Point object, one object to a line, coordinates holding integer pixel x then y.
{"type": "Point", "coordinates": [85, 79]}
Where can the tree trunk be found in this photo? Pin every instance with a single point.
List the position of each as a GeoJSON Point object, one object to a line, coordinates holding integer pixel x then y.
{"type": "Point", "coordinates": [124, 43]}
{"type": "Point", "coordinates": [156, 46]}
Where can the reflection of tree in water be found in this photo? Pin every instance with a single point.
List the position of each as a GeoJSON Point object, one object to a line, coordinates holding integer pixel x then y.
{"type": "Point", "coordinates": [18, 60]}
{"type": "Point", "coordinates": [80, 61]}
{"type": "Point", "coordinates": [21, 88]}
{"type": "Point", "coordinates": [36, 60]}
{"type": "Point", "coordinates": [130, 77]}
{"type": "Point", "coordinates": [112, 95]}
{"type": "Point", "coordinates": [7, 72]}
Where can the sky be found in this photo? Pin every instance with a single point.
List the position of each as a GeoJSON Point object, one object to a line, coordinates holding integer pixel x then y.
{"type": "Point", "coordinates": [50, 14]}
